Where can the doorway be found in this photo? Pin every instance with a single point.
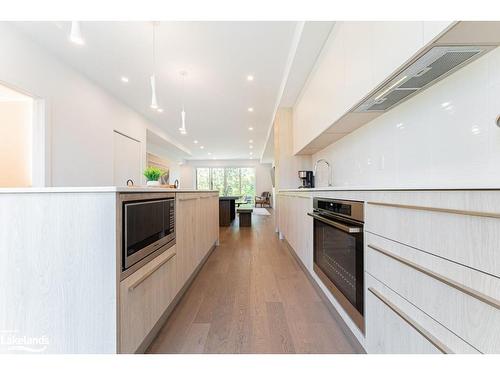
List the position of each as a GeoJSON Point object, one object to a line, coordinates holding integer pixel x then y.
{"type": "Point", "coordinates": [17, 138]}
{"type": "Point", "coordinates": [127, 159]}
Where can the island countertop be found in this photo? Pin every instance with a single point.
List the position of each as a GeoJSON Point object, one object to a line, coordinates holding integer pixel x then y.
{"type": "Point", "coordinates": [101, 189]}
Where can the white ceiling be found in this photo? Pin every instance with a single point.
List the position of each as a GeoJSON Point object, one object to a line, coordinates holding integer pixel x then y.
{"type": "Point", "coordinates": [217, 57]}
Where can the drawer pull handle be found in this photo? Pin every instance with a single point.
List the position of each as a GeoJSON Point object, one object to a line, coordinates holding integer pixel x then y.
{"type": "Point", "coordinates": [462, 288]}
{"type": "Point", "coordinates": [149, 273]}
{"type": "Point", "coordinates": [205, 196]}
{"type": "Point", "coordinates": [493, 215]}
{"type": "Point", "coordinates": [427, 335]}
{"type": "Point", "coordinates": [188, 198]}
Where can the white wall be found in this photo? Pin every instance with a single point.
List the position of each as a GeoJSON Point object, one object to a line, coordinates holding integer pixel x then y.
{"type": "Point", "coordinates": [445, 137]}
{"type": "Point", "coordinates": [81, 116]}
{"type": "Point", "coordinates": [262, 172]}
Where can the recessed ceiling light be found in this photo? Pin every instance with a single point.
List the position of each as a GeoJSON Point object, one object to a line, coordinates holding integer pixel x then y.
{"type": "Point", "coordinates": [251, 153]}
{"type": "Point", "coordinates": [250, 141]}
{"type": "Point", "coordinates": [251, 146]}
{"type": "Point", "coordinates": [214, 158]}
{"type": "Point", "coordinates": [209, 153]}
{"type": "Point", "coordinates": [250, 109]}
{"type": "Point", "coordinates": [195, 141]}
{"type": "Point", "coordinates": [124, 79]}
{"type": "Point", "coordinates": [160, 110]}
{"type": "Point", "coordinates": [202, 147]}
{"type": "Point", "coordinates": [250, 128]}
{"type": "Point", "coordinates": [249, 77]}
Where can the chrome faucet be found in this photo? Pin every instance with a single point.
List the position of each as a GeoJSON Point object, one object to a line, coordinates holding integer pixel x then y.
{"type": "Point", "coordinates": [329, 170]}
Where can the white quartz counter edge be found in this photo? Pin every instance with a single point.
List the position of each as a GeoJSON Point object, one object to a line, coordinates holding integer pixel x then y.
{"type": "Point", "coordinates": [361, 188]}
{"type": "Point", "coordinates": [101, 189]}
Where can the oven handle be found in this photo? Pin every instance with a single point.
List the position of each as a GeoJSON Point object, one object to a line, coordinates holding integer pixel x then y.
{"type": "Point", "coordinates": [336, 224]}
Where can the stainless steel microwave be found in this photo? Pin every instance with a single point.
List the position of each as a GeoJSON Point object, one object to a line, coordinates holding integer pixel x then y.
{"type": "Point", "coordinates": [148, 228]}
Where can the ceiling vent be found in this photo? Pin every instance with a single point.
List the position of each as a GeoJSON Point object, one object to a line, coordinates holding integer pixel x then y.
{"type": "Point", "coordinates": [432, 66]}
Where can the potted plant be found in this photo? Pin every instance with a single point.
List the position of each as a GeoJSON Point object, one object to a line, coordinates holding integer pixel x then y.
{"type": "Point", "coordinates": [152, 175]}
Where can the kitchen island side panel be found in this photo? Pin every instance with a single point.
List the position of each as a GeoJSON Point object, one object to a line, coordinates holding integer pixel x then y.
{"type": "Point", "coordinates": [58, 273]}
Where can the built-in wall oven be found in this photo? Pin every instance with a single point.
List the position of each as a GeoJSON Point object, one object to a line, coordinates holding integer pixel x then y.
{"type": "Point", "coordinates": [148, 228]}
{"type": "Point", "coordinates": [338, 252]}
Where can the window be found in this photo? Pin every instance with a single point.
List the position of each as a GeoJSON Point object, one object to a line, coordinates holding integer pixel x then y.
{"type": "Point", "coordinates": [229, 181]}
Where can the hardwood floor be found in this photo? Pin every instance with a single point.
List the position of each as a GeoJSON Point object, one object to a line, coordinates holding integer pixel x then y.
{"type": "Point", "coordinates": [251, 296]}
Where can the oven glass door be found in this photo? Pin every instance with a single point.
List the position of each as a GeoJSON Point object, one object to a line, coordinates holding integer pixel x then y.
{"type": "Point", "coordinates": [339, 255]}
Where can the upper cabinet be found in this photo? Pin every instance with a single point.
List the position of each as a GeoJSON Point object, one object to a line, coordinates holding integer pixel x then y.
{"type": "Point", "coordinates": [357, 58]}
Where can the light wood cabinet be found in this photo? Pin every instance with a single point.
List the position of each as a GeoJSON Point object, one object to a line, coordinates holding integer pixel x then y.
{"type": "Point", "coordinates": [296, 226]}
{"type": "Point", "coordinates": [187, 233]}
{"type": "Point", "coordinates": [431, 266]}
{"type": "Point", "coordinates": [393, 325]}
{"type": "Point", "coordinates": [463, 310]}
{"type": "Point", "coordinates": [144, 297]}
{"type": "Point", "coordinates": [147, 294]}
{"type": "Point", "coordinates": [197, 228]}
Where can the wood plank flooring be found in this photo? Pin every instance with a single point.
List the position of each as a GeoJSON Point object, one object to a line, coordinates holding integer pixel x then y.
{"type": "Point", "coordinates": [251, 296]}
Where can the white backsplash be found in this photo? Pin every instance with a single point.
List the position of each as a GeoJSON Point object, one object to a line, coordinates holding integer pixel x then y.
{"type": "Point", "coordinates": [445, 137]}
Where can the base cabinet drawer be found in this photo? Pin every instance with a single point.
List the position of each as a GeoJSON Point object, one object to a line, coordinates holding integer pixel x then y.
{"type": "Point", "coordinates": [467, 312]}
{"type": "Point", "coordinates": [144, 297]}
{"type": "Point", "coordinates": [394, 326]}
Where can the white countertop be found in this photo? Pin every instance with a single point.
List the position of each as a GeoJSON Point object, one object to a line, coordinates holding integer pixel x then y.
{"type": "Point", "coordinates": [382, 188]}
{"type": "Point", "coordinates": [101, 189]}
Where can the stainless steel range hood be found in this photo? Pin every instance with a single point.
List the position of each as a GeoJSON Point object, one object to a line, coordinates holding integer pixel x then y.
{"type": "Point", "coordinates": [433, 65]}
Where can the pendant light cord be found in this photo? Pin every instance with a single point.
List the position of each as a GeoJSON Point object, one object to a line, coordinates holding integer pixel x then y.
{"type": "Point", "coordinates": [154, 48]}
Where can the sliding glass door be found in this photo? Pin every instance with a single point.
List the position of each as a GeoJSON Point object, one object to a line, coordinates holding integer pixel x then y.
{"type": "Point", "coordinates": [233, 181]}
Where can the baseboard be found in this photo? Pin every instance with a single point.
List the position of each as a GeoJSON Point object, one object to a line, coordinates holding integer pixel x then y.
{"type": "Point", "coordinates": [333, 311]}
{"type": "Point", "coordinates": [146, 343]}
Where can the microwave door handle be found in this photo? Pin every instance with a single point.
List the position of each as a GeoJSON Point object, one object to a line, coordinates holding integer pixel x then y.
{"type": "Point", "coordinates": [342, 227]}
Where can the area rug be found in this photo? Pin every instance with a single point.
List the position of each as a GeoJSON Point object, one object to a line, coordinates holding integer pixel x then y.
{"type": "Point", "coordinates": [260, 211]}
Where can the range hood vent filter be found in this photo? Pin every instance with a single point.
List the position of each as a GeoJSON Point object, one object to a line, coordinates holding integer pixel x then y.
{"type": "Point", "coordinates": [434, 65]}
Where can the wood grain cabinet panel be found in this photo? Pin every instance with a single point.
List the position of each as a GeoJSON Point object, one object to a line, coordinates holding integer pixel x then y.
{"type": "Point", "coordinates": [460, 237]}
{"type": "Point", "coordinates": [296, 225]}
{"type": "Point", "coordinates": [144, 297]}
{"type": "Point", "coordinates": [467, 313]}
{"type": "Point", "coordinates": [186, 235]}
{"type": "Point", "coordinates": [395, 326]}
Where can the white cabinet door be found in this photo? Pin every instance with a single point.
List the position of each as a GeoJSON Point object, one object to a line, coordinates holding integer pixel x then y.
{"type": "Point", "coordinates": [127, 161]}
{"type": "Point", "coordinates": [433, 28]}
{"type": "Point", "coordinates": [392, 44]}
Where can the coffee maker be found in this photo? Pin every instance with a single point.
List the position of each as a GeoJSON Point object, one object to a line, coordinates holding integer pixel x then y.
{"type": "Point", "coordinates": [307, 179]}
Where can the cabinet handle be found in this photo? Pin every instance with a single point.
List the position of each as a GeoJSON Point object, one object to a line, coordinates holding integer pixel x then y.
{"type": "Point", "coordinates": [425, 334]}
{"type": "Point", "coordinates": [188, 198]}
{"type": "Point", "coordinates": [336, 224]}
{"type": "Point", "coordinates": [149, 273]}
{"type": "Point", "coordinates": [205, 196]}
{"type": "Point", "coordinates": [460, 287]}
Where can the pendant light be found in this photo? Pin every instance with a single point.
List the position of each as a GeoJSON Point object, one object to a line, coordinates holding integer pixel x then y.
{"type": "Point", "coordinates": [182, 129]}
{"type": "Point", "coordinates": [154, 102]}
{"type": "Point", "coordinates": [75, 34]}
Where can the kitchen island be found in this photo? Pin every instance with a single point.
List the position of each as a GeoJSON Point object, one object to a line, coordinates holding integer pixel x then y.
{"type": "Point", "coordinates": [227, 210]}
{"type": "Point", "coordinates": [64, 289]}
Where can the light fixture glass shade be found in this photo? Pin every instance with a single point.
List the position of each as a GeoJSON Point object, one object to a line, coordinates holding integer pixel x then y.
{"type": "Point", "coordinates": [154, 102]}
{"type": "Point", "coordinates": [75, 35]}
{"type": "Point", "coordinates": [182, 129]}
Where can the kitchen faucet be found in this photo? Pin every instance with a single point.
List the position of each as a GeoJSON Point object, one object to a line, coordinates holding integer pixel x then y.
{"type": "Point", "coordinates": [329, 170]}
